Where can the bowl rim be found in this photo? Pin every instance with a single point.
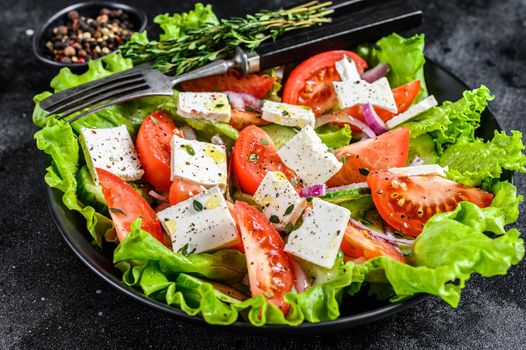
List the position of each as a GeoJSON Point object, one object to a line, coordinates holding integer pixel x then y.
{"type": "Point", "coordinates": [38, 38]}
{"type": "Point", "coordinates": [304, 329]}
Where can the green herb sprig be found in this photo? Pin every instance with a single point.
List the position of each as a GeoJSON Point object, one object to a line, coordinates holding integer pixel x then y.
{"type": "Point", "coordinates": [199, 46]}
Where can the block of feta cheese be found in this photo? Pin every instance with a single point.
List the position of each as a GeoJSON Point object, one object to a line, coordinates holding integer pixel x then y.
{"type": "Point", "coordinates": [319, 238]}
{"type": "Point", "coordinates": [412, 112]}
{"type": "Point", "coordinates": [426, 169]}
{"type": "Point", "coordinates": [287, 114]}
{"type": "Point", "coordinates": [347, 70]}
{"type": "Point", "coordinates": [377, 93]}
{"type": "Point", "coordinates": [309, 157]}
{"type": "Point", "coordinates": [201, 162]}
{"type": "Point", "coordinates": [111, 149]}
{"type": "Point", "coordinates": [212, 106]}
{"type": "Point", "coordinates": [280, 202]}
{"type": "Point", "coordinates": [200, 223]}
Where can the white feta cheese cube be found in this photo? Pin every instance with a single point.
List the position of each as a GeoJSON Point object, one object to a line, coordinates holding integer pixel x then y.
{"type": "Point", "coordinates": [347, 70]}
{"type": "Point", "coordinates": [287, 114]}
{"type": "Point", "coordinates": [280, 202]}
{"type": "Point", "coordinates": [212, 106]}
{"type": "Point", "coordinates": [201, 223]}
{"type": "Point", "coordinates": [111, 149]}
{"type": "Point", "coordinates": [412, 112]}
{"type": "Point", "coordinates": [201, 162]}
{"type": "Point", "coordinates": [309, 157]}
{"type": "Point", "coordinates": [377, 93]}
{"type": "Point", "coordinates": [426, 169]}
{"type": "Point", "coordinates": [319, 238]}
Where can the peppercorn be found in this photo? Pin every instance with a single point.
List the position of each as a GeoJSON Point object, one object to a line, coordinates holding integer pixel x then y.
{"type": "Point", "coordinates": [82, 38]}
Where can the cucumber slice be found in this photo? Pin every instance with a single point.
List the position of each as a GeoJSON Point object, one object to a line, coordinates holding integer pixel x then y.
{"type": "Point", "coordinates": [279, 134]}
{"type": "Point", "coordinates": [341, 196]}
{"type": "Point", "coordinates": [358, 206]}
{"type": "Point", "coordinates": [319, 275]}
{"type": "Point", "coordinates": [188, 285]}
{"type": "Point", "coordinates": [88, 192]}
{"type": "Point", "coordinates": [424, 147]}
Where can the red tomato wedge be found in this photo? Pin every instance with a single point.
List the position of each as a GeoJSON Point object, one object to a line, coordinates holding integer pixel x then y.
{"type": "Point", "coordinates": [359, 243]}
{"type": "Point", "coordinates": [254, 154]}
{"type": "Point", "coordinates": [242, 119]}
{"type": "Point", "coordinates": [310, 83]}
{"type": "Point", "coordinates": [256, 85]}
{"type": "Point", "coordinates": [182, 189]}
{"type": "Point", "coordinates": [388, 150]}
{"type": "Point", "coordinates": [408, 202]}
{"type": "Point", "coordinates": [125, 205]}
{"type": "Point", "coordinates": [270, 269]}
{"type": "Point", "coordinates": [153, 148]}
{"type": "Point", "coordinates": [233, 213]}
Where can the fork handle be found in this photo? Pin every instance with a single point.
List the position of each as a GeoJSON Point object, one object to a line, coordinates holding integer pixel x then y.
{"type": "Point", "coordinates": [242, 61]}
{"type": "Point", "coordinates": [345, 31]}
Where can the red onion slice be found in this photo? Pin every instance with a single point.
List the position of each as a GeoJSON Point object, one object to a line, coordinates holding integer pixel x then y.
{"type": "Point", "coordinates": [417, 161]}
{"type": "Point", "coordinates": [373, 120]}
{"type": "Point", "coordinates": [373, 74]}
{"type": "Point", "coordinates": [390, 239]}
{"type": "Point", "coordinates": [301, 282]}
{"type": "Point", "coordinates": [345, 119]}
{"type": "Point", "coordinates": [240, 100]}
{"type": "Point", "coordinates": [188, 132]}
{"type": "Point", "coordinates": [158, 196]}
{"type": "Point", "coordinates": [313, 191]}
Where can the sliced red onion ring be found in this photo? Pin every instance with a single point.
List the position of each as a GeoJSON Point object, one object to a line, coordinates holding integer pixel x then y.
{"type": "Point", "coordinates": [385, 237]}
{"type": "Point", "coordinates": [375, 73]}
{"type": "Point", "coordinates": [313, 191]}
{"type": "Point", "coordinates": [349, 187]}
{"type": "Point", "coordinates": [240, 100]}
{"type": "Point", "coordinates": [161, 206]}
{"type": "Point", "coordinates": [417, 161]}
{"type": "Point", "coordinates": [157, 196]}
{"type": "Point", "coordinates": [373, 120]}
{"type": "Point", "coordinates": [217, 140]}
{"type": "Point", "coordinates": [188, 132]}
{"type": "Point", "coordinates": [345, 119]}
{"type": "Point", "coordinates": [301, 282]}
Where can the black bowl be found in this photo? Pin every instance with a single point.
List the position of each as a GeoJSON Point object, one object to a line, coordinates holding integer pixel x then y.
{"type": "Point", "coordinates": [88, 9]}
{"type": "Point", "coordinates": [355, 311]}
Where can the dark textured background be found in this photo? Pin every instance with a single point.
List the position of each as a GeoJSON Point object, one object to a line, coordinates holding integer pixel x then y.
{"type": "Point", "coordinates": [49, 299]}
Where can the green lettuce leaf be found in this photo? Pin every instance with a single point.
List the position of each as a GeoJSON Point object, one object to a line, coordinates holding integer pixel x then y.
{"type": "Point", "coordinates": [173, 26]}
{"type": "Point", "coordinates": [226, 265]}
{"type": "Point", "coordinates": [472, 162]}
{"type": "Point", "coordinates": [58, 140]}
{"type": "Point", "coordinates": [335, 137]}
{"type": "Point", "coordinates": [405, 56]}
{"type": "Point", "coordinates": [452, 120]}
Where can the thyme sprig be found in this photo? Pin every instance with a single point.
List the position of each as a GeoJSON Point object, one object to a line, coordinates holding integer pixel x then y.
{"type": "Point", "coordinates": [198, 46]}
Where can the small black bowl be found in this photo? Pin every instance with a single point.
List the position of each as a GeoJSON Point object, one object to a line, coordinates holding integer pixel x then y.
{"type": "Point", "coordinates": [88, 9]}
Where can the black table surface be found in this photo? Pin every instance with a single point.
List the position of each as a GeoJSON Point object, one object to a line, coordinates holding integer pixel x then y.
{"type": "Point", "coordinates": [49, 299]}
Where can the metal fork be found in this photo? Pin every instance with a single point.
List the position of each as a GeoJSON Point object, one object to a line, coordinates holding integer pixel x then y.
{"type": "Point", "coordinates": [134, 83]}
{"type": "Point", "coordinates": [366, 24]}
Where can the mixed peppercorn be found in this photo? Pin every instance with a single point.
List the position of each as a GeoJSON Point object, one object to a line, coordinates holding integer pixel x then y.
{"type": "Point", "coordinates": [82, 39]}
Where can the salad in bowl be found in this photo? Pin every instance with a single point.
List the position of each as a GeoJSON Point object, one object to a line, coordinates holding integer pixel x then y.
{"type": "Point", "coordinates": [273, 197]}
